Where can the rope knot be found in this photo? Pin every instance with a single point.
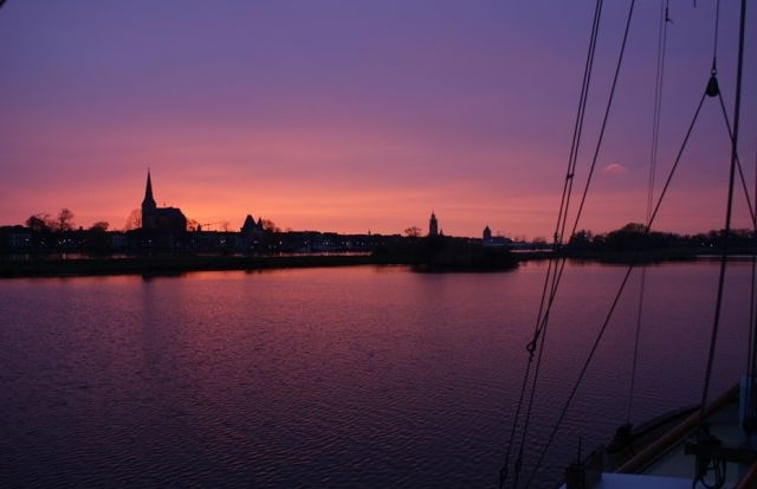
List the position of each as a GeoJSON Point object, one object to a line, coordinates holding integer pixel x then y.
{"type": "Point", "coordinates": [531, 346]}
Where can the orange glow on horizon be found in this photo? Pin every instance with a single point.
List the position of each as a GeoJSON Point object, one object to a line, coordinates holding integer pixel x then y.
{"type": "Point", "coordinates": [313, 133]}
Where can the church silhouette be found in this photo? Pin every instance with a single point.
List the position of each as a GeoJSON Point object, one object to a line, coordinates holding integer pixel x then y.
{"type": "Point", "coordinates": [161, 219]}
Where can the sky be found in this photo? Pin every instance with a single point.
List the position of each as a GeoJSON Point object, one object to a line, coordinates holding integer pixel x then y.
{"type": "Point", "coordinates": [355, 115]}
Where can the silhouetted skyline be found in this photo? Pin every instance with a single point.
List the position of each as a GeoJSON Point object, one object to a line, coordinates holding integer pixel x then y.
{"type": "Point", "coordinates": [352, 117]}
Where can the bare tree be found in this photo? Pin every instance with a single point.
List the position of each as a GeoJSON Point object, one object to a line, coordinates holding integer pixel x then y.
{"type": "Point", "coordinates": [64, 222]}
{"type": "Point", "coordinates": [134, 221]}
{"type": "Point", "coordinates": [269, 225]}
{"type": "Point", "coordinates": [412, 232]}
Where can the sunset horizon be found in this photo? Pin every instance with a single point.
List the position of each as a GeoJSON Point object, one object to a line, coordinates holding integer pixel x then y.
{"type": "Point", "coordinates": [378, 244]}
{"type": "Point", "coordinates": [351, 119]}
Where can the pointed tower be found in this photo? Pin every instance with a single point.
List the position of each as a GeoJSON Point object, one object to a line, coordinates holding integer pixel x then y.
{"type": "Point", "coordinates": [149, 201]}
{"type": "Point", "coordinates": [148, 206]}
{"type": "Point", "coordinates": [487, 234]}
{"type": "Point", "coordinates": [433, 226]}
{"type": "Point", "coordinates": [249, 224]}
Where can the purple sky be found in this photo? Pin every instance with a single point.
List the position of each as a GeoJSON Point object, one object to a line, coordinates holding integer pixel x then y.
{"type": "Point", "coordinates": [352, 116]}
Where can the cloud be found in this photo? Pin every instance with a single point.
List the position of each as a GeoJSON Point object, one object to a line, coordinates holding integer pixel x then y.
{"type": "Point", "coordinates": [614, 169]}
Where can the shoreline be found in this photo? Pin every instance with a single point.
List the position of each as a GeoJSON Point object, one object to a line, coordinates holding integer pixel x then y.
{"type": "Point", "coordinates": [172, 265]}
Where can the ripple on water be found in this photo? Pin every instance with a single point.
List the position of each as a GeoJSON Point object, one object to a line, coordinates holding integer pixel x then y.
{"type": "Point", "coordinates": [317, 378]}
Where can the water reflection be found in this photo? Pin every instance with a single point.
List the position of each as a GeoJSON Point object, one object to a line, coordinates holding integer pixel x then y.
{"type": "Point", "coordinates": [371, 377]}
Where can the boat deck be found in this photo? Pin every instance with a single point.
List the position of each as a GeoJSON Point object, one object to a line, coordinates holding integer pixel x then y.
{"type": "Point", "coordinates": [635, 481]}
{"type": "Point", "coordinates": [724, 425]}
{"type": "Point", "coordinates": [667, 466]}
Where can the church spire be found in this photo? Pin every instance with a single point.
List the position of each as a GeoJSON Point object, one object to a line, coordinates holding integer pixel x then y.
{"type": "Point", "coordinates": [148, 201]}
{"type": "Point", "coordinates": [433, 225]}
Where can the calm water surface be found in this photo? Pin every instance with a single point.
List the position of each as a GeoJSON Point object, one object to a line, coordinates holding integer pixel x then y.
{"type": "Point", "coordinates": [355, 377]}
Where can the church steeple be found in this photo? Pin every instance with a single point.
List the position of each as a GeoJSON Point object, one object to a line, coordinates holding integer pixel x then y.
{"type": "Point", "coordinates": [149, 201]}
{"type": "Point", "coordinates": [433, 225]}
{"type": "Point", "coordinates": [161, 220]}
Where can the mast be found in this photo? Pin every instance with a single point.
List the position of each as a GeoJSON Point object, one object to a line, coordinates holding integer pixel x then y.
{"type": "Point", "coordinates": [748, 402]}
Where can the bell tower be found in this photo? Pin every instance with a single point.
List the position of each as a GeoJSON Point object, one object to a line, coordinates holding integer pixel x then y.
{"type": "Point", "coordinates": [433, 226]}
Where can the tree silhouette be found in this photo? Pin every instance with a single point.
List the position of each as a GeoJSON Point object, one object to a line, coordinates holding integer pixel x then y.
{"type": "Point", "coordinates": [413, 232]}
{"type": "Point", "coordinates": [269, 225]}
{"type": "Point", "coordinates": [134, 220]}
{"type": "Point", "coordinates": [192, 225]}
{"type": "Point", "coordinates": [64, 221]}
{"type": "Point", "coordinates": [99, 226]}
{"type": "Point", "coordinates": [39, 223]}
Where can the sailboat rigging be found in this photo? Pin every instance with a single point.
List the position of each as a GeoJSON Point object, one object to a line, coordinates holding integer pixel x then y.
{"type": "Point", "coordinates": [711, 455]}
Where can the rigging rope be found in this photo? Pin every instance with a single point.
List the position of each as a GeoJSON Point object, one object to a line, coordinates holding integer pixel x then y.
{"type": "Point", "coordinates": [752, 212]}
{"type": "Point", "coordinates": [656, 116]}
{"type": "Point", "coordinates": [558, 271]}
{"type": "Point", "coordinates": [593, 165]}
{"type": "Point", "coordinates": [749, 394]}
{"type": "Point", "coordinates": [753, 312]}
{"type": "Point", "coordinates": [751, 361]}
{"type": "Point", "coordinates": [715, 41]}
{"type": "Point", "coordinates": [550, 276]}
{"type": "Point", "coordinates": [623, 284]}
{"type": "Point", "coordinates": [729, 209]}
{"type": "Point", "coordinates": [555, 272]}
{"type": "Point", "coordinates": [562, 223]}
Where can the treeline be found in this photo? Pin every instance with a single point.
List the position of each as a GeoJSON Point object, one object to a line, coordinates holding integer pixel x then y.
{"type": "Point", "coordinates": [46, 233]}
{"type": "Point", "coordinates": [634, 237]}
{"type": "Point", "coordinates": [64, 221]}
{"type": "Point", "coordinates": [445, 254]}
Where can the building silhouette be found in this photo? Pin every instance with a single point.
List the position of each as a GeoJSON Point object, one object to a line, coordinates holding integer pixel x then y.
{"type": "Point", "coordinates": [250, 226]}
{"type": "Point", "coordinates": [433, 226]}
{"type": "Point", "coordinates": [251, 233]}
{"type": "Point", "coordinates": [168, 220]}
{"type": "Point", "coordinates": [487, 238]}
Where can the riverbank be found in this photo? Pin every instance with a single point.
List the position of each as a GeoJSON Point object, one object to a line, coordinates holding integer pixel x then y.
{"type": "Point", "coordinates": [169, 265]}
{"type": "Point", "coordinates": [66, 266]}
{"type": "Point", "coordinates": [177, 265]}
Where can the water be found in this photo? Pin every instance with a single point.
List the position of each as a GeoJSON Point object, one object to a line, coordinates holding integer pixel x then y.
{"type": "Point", "coordinates": [352, 377]}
